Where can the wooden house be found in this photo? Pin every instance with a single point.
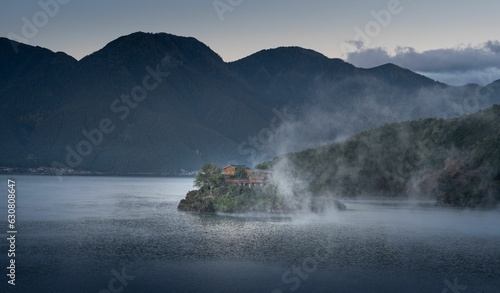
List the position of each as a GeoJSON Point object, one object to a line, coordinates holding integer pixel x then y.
{"type": "Point", "coordinates": [231, 169]}
{"type": "Point", "coordinates": [253, 178]}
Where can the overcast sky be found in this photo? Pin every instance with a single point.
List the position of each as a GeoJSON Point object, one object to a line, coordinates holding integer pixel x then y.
{"type": "Point", "coordinates": [455, 41]}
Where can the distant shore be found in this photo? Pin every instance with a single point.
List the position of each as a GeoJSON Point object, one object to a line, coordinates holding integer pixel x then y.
{"type": "Point", "coordinates": [50, 171]}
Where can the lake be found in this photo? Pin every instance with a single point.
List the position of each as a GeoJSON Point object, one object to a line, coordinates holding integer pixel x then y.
{"type": "Point", "coordinates": [124, 234]}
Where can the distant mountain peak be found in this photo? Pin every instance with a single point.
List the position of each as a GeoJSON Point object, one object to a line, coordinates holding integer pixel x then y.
{"type": "Point", "coordinates": [388, 66]}
{"type": "Point", "coordinates": [290, 53]}
{"type": "Point", "coordinates": [291, 50]}
{"type": "Point", "coordinates": [403, 76]}
{"type": "Point", "coordinates": [156, 45]}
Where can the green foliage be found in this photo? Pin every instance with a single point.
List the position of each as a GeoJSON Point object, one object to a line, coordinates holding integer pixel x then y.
{"type": "Point", "coordinates": [235, 199]}
{"type": "Point", "coordinates": [209, 176]}
{"type": "Point", "coordinates": [460, 156]}
{"type": "Point", "coordinates": [197, 200]}
{"type": "Point", "coordinates": [263, 166]}
{"type": "Point", "coordinates": [215, 195]}
{"type": "Point", "coordinates": [240, 173]}
{"type": "Point", "coordinates": [392, 159]}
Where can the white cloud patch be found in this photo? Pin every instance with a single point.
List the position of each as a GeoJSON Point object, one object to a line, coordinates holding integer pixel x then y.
{"type": "Point", "coordinates": [460, 65]}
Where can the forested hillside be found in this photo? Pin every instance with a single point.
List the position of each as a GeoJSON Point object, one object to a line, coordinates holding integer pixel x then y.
{"type": "Point", "coordinates": [455, 161]}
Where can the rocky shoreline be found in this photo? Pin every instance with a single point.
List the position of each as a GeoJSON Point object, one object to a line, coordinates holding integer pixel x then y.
{"type": "Point", "coordinates": [230, 198]}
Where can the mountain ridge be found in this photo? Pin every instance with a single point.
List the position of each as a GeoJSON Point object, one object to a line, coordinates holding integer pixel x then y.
{"type": "Point", "coordinates": [203, 111]}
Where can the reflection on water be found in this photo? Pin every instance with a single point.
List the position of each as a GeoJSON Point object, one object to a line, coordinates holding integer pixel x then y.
{"type": "Point", "coordinates": [76, 235]}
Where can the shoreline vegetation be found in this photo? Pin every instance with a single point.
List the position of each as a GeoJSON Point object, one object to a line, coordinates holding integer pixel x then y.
{"type": "Point", "coordinates": [455, 162]}
{"type": "Point", "coordinates": [218, 193]}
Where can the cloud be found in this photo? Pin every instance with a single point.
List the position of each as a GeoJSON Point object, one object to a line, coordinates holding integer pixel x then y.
{"type": "Point", "coordinates": [494, 46]}
{"type": "Point", "coordinates": [459, 65]}
{"type": "Point", "coordinates": [482, 77]}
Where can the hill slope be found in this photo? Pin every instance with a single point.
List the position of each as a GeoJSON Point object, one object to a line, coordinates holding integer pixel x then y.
{"type": "Point", "coordinates": [200, 108]}
{"type": "Point", "coordinates": [455, 161]}
{"type": "Point", "coordinates": [193, 115]}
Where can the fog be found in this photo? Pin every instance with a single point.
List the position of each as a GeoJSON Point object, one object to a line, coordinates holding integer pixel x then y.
{"type": "Point", "coordinates": [413, 218]}
{"type": "Point", "coordinates": [340, 109]}
{"type": "Point", "coordinates": [332, 116]}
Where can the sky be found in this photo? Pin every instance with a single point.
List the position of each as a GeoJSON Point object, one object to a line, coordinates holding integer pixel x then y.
{"type": "Point", "coordinates": [453, 41]}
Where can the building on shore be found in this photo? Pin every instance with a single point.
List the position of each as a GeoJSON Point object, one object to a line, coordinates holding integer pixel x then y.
{"type": "Point", "coordinates": [245, 176]}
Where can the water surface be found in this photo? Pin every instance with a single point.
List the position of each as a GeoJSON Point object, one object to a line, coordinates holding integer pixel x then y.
{"type": "Point", "coordinates": [79, 234]}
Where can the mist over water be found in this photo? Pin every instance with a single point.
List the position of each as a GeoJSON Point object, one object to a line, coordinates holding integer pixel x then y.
{"type": "Point", "coordinates": [401, 156]}
{"type": "Point", "coordinates": [73, 234]}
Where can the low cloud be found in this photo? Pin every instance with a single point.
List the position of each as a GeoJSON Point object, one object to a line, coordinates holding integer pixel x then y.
{"type": "Point", "coordinates": [464, 64]}
{"type": "Point", "coordinates": [482, 77]}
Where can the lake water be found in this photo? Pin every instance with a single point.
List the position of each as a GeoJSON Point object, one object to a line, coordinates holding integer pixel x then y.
{"type": "Point", "coordinates": [123, 234]}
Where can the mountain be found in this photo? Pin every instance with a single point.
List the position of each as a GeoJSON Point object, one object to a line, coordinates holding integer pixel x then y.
{"type": "Point", "coordinates": [96, 114]}
{"type": "Point", "coordinates": [187, 119]}
{"type": "Point", "coordinates": [32, 85]}
{"type": "Point", "coordinates": [332, 99]}
{"type": "Point", "coordinates": [454, 161]}
{"type": "Point", "coordinates": [293, 74]}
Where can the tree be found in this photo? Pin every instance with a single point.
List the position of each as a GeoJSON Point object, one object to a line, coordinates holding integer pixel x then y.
{"type": "Point", "coordinates": [209, 176]}
{"type": "Point", "coordinates": [240, 173]}
{"type": "Point", "coordinates": [263, 166]}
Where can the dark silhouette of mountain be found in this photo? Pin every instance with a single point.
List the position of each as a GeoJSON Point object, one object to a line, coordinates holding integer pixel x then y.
{"type": "Point", "coordinates": [402, 77]}
{"type": "Point", "coordinates": [32, 86]}
{"type": "Point", "coordinates": [331, 98]}
{"type": "Point", "coordinates": [154, 103]}
{"type": "Point", "coordinates": [293, 74]}
{"type": "Point", "coordinates": [190, 117]}
{"type": "Point", "coordinates": [288, 75]}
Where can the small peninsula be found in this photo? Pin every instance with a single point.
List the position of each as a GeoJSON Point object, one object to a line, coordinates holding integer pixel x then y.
{"type": "Point", "coordinates": [455, 162]}
{"type": "Point", "coordinates": [239, 189]}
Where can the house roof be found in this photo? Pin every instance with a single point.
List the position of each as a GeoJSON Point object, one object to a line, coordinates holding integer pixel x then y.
{"type": "Point", "coordinates": [237, 166]}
